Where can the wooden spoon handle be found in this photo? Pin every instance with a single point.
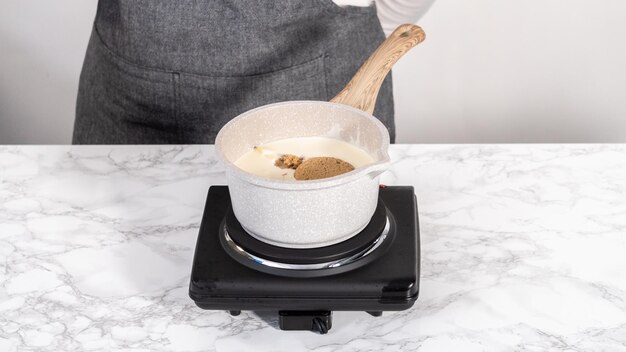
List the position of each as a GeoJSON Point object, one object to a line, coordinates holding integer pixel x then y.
{"type": "Point", "coordinates": [362, 90]}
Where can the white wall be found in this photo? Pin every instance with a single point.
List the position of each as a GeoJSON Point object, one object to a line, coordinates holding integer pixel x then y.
{"type": "Point", "coordinates": [42, 45]}
{"type": "Point", "coordinates": [516, 71]}
{"type": "Point", "coordinates": [489, 71]}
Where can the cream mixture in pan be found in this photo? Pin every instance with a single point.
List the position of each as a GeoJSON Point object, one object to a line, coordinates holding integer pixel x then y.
{"type": "Point", "coordinates": [261, 161]}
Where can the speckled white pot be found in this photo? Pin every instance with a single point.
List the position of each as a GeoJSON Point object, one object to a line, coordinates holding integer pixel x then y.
{"type": "Point", "coordinates": [303, 214]}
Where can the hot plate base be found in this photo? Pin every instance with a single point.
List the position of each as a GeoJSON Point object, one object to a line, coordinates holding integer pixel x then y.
{"type": "Point", "coordinates": [388, 283]}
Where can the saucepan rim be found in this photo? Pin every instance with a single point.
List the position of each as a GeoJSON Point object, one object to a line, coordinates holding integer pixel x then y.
{"type": "Point", "coordinates": [375, 169]}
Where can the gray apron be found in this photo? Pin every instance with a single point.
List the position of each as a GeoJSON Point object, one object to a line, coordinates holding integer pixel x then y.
{"type": "Point", "coordinates": [162, 72]}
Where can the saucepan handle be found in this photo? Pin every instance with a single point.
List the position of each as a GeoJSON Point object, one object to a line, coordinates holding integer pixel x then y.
{"type": "Point", "coordinates": [362, 90]}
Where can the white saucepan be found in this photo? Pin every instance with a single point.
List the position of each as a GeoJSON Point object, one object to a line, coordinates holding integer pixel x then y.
{"type": "Point", "coordinates": [314, 213]}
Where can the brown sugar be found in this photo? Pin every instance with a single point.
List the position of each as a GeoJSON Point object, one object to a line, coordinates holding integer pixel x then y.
{"type": "Point", "coordinates": [288, 161]}
{"type": "Point", "coordinates": [321, 167]}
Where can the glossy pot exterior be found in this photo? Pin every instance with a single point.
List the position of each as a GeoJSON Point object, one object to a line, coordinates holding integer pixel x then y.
{"type": "Point", "coordinates": [303, 214]}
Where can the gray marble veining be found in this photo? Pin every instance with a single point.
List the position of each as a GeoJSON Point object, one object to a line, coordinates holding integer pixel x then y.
{"type": "Point", "coordinates": [523, 248]}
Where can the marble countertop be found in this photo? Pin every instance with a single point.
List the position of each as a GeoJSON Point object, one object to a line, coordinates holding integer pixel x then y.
{"type": "Point", "coordinates": [523, 248]}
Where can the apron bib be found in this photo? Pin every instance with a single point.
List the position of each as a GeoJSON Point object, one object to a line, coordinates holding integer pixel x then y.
{"type": "Point", "coordinates": [164, 72]}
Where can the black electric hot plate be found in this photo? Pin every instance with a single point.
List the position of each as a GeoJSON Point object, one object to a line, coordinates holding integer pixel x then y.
{"type": "Point", "coordinates": [376, 270]}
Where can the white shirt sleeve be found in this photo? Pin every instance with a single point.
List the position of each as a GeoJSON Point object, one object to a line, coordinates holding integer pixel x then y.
{"type": "Point", "coordinates": [393, 13]}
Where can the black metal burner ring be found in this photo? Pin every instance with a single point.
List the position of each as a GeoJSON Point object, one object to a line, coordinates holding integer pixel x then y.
{"type": "Point", "coordinates": [367, 254]}
{"type": "Point", "coordinates": [352, 246]}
